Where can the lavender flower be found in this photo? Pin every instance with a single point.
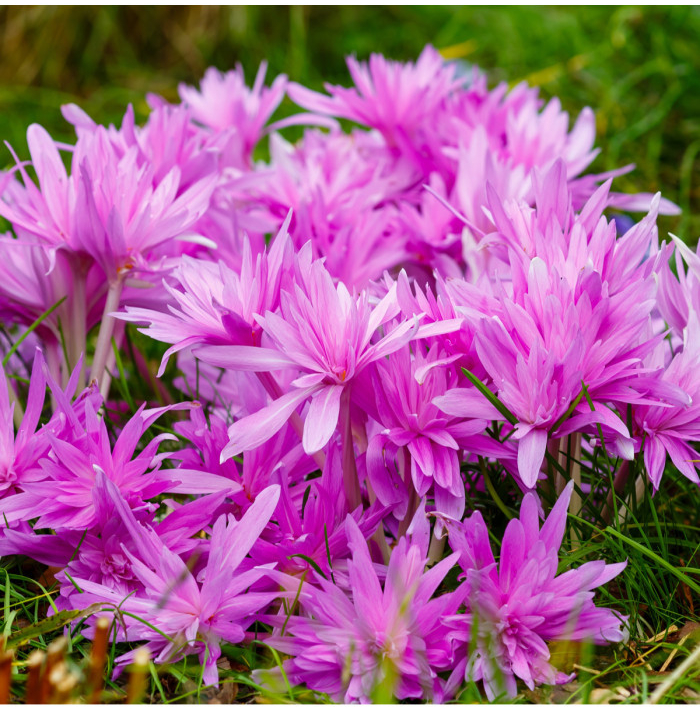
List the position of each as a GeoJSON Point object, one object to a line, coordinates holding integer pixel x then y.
{"type": "Point", "coordinates": [518, 605]}
{"type": "Point", "coordinates": [327, 334]}
{"type": "Point", "coordinates": [191, 616]}
{"type": "Point", "coordinates": [20, 453]}
{"type": "Point", "coordinates": [348, 646]}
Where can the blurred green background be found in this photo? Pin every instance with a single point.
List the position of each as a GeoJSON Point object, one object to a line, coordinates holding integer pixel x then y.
{"type": "Point", "coordinates": [637, 67]}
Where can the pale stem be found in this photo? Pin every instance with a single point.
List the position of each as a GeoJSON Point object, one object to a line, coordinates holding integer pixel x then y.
{"type": "Point", "coordinates": [350, 479]}
{"type": "Point", "coordinates": [558, 449]}
{"type": "Point", "coordinates": [77, 335]}
{"type": "Point", "coordinates": [437, 547]}
{"type": "Point", "coordinates": [555, 480]}
{"type": "Point", "coordinates": [104, 337]}
{"type": "Point", "coordinates": [379, 536]}
{"type": "Point", "coordinates": [118, 337]}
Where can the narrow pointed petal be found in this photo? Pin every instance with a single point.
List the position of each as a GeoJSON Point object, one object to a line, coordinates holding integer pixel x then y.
{"type": "Point", "coordinates": [322, 417]}
{"type": "Point", "coordinates": [252, 431]}
{"type": "Point", "coordinates": [531, 450]}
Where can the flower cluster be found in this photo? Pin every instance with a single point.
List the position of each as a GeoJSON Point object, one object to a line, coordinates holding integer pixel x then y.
{"type": "Point", "coordinates": [368, 328]}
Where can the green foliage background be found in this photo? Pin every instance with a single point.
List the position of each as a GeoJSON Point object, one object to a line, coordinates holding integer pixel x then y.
{"type": "Point", "coordinates": [637, 67]}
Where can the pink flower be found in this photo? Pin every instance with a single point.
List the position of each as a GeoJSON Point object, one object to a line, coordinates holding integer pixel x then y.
{"type": "Point", "coordinates": [342, 190]}
{"type": "Point", "coordinates": [671, 426]}
{"type": "Point", "coordinates": [326, 334]}
{"type": "Point", "coordinates": [398, 99]}
{"type": "Point", "coordinates": [518, 605]}
{"type": "Point", "coordinates": [62, 498]}
{"type": "Point", "coordinates": [212, 304]}
{"type": "Point", "coordinates": [348, 645]}
{"type": "Point", "coordinates": [20, 454]}
{"type": "Point", "coordinates": [419, 448]}
{"type": "Point", "coordinates": [168, 140]}
{"type": "Point", "coordinates": [192, 615]}
{"type": "Point", "coordinates": [107, 210]}
{"type": "Point", "coordinates": [312, 521]}
{"type": "Point", "coordinates": [225, 104]}
{"type": "Point", "coordinates": [576, 312]}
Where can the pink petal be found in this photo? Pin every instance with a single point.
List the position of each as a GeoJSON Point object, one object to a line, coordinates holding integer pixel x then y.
{"type": "Point", "coordinates": [553, 529]}
{"type": "Point", "coordinates": [252, 431]}
{"type": "Point", "coordinates": [244, 358]}
{"type": "Point", "coordinates": [529, 517]}
{"type": "Point", "coordinates": [531, 450]}
{"type": "Point", "coordinates": [448, 503]}
{"type": "Point", "coordinates": [322, 418]}
{"type": "Point", "coordinates": [385, 480]}
{"type": "Point", "coordinates": [654, 459]}
{"type": "Point", "coordinates": [422, 454]}
{"type": "Point", "coordinates": [467, 403]}
{"type": "Point", "coordinates": [682, 456]}
{"type": "Point", "coordinates": [232, 542]}
{"type": "Point", "coordinates": [513, 553]}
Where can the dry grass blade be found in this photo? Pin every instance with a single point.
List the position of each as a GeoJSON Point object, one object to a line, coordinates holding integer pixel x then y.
{"type": "Point", "coordinates": [674, 652]}
{"type": "Point", "coordinates": [660, 636]}
{"type": "Point", "coordinates": [55, 656]}
{"type": "Point", "coordinates": [607, 696]}
{"type": "Point", "coordinates": [138, 677]}
{"type": "Point", "coordinates": [98, 659]}
{"type": "Point", "coordinates": [693, 660]}
{"type": "Point", "coordinates": [35, 663]}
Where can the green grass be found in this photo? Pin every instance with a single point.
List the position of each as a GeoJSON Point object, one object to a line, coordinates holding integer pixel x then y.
{"type": "Point", "coordinates": [638, 68]}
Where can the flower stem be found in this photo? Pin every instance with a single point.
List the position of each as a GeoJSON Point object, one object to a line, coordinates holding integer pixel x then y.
{"type": "Point", "coordinates": [111, 359]}
{"type": "Point", "coordinates": [563, 445]}
{"type": "Point", "coordinates": [437, 547]}
{"type": "Point", "coordinates": [78, 329]}
{"type": "Point", "coordinates": [350, 479]}
{"type": "Point", "coordinates": [104, 337]}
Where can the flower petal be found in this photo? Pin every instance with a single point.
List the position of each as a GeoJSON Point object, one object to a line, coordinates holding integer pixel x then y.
{"type": "Point", "coordinates": [322, 418]}
{"type": "Point", "coordinates": [252, 431]}
{"type": "Point", "coordinates": [531, 450]}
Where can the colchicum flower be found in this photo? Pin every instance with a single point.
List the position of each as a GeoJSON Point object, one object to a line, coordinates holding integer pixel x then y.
{"type": "Point", "coordinates": [518, 605]}
{"type": "Point", "coordinates": [326, 334]}
{"type": "Point", "coordinates": [390, 636]}
{"type": "Point", "coordinates": [192, 615]}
